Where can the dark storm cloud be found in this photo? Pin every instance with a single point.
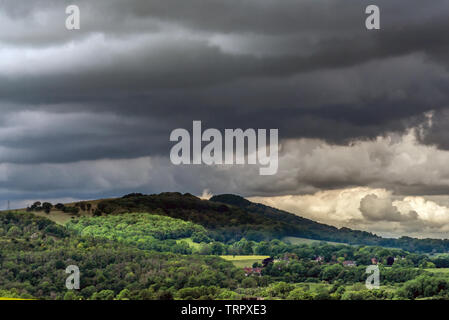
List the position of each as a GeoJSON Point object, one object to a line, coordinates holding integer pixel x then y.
{"type": "Point", "coordinates": [138, 69]}
{"type": "Point", "coordinates": [439, 132]}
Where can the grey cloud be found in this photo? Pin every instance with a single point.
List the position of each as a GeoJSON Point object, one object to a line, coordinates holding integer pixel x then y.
{"type": "Point", "coordinates": [314, 105]}
{"type": "Point", "coordinates": [374, 208]}
{"type": "Point", "coordinates": [188, 69]}
{"type": "Point", "coordinates": [112, 92]}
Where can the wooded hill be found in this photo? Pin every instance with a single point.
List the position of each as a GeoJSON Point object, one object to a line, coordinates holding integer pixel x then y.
{"type": "Point", "coordinates": [231, 217]}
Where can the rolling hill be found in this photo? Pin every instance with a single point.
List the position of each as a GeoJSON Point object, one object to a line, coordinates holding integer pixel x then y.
{"type": "Point", "coordinates": [231, 217]}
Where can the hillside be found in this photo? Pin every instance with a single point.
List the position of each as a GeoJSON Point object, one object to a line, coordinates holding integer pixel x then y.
{"type": "Point", "coordinates": [306, 228]}
{"type": "Point", "coordinates": [297, 226]}
{"type": "Point", "coordinates": [36, 251]}
{"type": "Point", "coordinates": [231, 217]}
{"type": "Point", "coordinates": [142, 230]}
{"type": "Point", "coordinates": [137, 256]}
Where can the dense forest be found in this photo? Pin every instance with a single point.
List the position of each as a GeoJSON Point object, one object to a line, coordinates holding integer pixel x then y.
{"type": "Point", "coordinates": [35, 253]}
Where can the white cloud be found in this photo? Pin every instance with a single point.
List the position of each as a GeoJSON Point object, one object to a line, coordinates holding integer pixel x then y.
{"type": "Point", "coordinates": [374, 210]}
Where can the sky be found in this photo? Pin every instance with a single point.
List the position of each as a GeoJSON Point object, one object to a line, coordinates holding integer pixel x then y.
{"type": "Point", "coordinates": [363, 116]}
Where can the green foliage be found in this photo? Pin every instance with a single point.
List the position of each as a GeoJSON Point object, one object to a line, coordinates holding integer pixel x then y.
{"type": "Point", "coordinates": [299, 294]}
{"type": "Point", "coordinates": [425, 286]}
{"type": "Point", "coordinates": [103, 295]}
{"type": "Point", "coordinates": [59, 206]}
{"type": "Point", "coordinates": [37, 268]}
{"type": "Point", "coordinates": [249, 282]}
{"type": "Point", "coordinates": [280, 289]}
{"type": "Point", "coordinates": [366, 294]}
{"type": "Point", "coordinates": [198, 293]}
{"type": "Point", "coordinates": [71, 210]}
{"type": "Point", "coordinates": [441, 261]}
{"type": "Point", "coordinates": [199, 237]}
{"type": "Point", "coordinates": [148, 256]}
{"type": "Point", "coordinates": [331, 272]}
{"type": "Point", "coordinates": [143, 230]}
{"type": "Point", "coordinates": [47, 206]}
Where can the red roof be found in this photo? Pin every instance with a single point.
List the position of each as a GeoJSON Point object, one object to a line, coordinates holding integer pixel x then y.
{"type": "Point", "coordinates": [252, 270]}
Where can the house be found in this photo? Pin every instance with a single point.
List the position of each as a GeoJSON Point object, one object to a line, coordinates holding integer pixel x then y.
{"type": "Point", "coordinates": [289, 256]}
{"type": "Point", "coordinates": [349, 263]}
{"type": "Point", "coordinates": [250, 271]}
{"type": "Point", "coordinates": [319, 259]}
{"type": "Point", "coordinates": [285, 259]}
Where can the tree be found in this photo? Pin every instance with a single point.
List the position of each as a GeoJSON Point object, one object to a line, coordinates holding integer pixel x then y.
{"type": "Point", "coordinates": [70, 295]}
{"type": "Point", "coordinates": [390, 261]}
{"type": "Point", "coordinates": [71, 210]}
{"type": "Point", "coordinates": [199, 237]}
{"type": "Point", "coordinates": [299, 294]}
{"type": "Point", "coordinates": [249, 282]}
{"type": "Point", "coordinates": [47, 207]}
{"type": "Point", "coordinates": [217, 248]}
{"type": "Point", "coordinates": [262, 248]}
{"type": "Point", "coordinates": [280, 289]}
{"type": "Point", "coordinates": [36, 206]}
{"type": "Point", "coordinates": [331, 272]}
{"type": "Point", "coordinates": [14, 231]}
{"type": "Point", "coordinates": [103, 295]}
{"type": "Point", "coordinates": [124, 295]}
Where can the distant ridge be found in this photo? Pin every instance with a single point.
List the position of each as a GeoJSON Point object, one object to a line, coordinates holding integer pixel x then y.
{"type": "Point", "coordinates": [231, 199]}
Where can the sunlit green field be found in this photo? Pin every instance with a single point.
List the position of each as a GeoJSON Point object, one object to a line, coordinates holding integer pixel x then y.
{"type": "Point", "coordinates": [61, 217]}
{"type": "Point", "coordinates": [438, 270]}
{"type": "Point", "coordinates": [296, 240]}
{"type": "Point", "coordinates": [244, 261]}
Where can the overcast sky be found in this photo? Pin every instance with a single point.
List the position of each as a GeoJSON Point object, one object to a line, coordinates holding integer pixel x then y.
{"type": "Point", "coordinates": [363, 116]}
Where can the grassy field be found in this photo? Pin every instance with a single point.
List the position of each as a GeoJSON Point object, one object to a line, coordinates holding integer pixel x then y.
{"type": "Point", "coordinates": [56, 216]}
{"type": "Point", "coordinates": [61, 217]}
{"type": "Point", "coordinates": [296, 240]}
{"type": "Point", "coordinates": [244, 261]}
{"type": "Point", "coordinates": [438, 270]}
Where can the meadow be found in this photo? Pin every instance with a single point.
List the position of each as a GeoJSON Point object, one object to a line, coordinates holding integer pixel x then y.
{"type": "Point", "coordinates": [244, 260]}
{"type": "Point", "coordinates": [297, 240]}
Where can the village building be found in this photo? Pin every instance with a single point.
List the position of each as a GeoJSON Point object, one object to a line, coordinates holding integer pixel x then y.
{"type": "Point", "coordinates": [250, 271]}
{"type": "Point", "coordinates": [349, 263]}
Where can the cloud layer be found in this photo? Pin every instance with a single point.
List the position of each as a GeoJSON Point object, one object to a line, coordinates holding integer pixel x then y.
{"type": "Point", "coordinates": [373, 210]}
{"type": "Point", "coordinates": [88, 113]}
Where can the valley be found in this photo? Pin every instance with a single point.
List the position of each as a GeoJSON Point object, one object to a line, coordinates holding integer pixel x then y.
{"type": "Point", "coordinates": [174, 246]}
